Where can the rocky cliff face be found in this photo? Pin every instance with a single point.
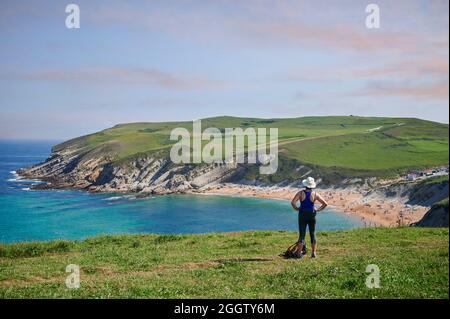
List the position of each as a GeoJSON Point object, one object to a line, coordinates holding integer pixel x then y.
{"type": "Point", "coordinates": [437, 216]}
{"type": "Point", "coordinates": [97, 171]}
{"type": "Point", "coordinates": [419, 193]}
{"type": "Point", "coordinates": [73, 165]}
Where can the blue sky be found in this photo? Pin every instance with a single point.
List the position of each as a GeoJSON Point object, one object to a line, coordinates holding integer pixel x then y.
{"type": "Point", "coordinates": [181, 60]}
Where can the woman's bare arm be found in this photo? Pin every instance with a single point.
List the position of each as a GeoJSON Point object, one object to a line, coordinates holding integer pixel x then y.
{"type": "Point", "coordinates": [295, 200]}
{"type": "Point", "coordinates": [322, 201]}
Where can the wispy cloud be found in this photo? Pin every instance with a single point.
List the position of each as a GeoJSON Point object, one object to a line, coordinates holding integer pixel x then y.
{"type": "Point", "coordinates": [437, 90]}
{"type": "Point", "coordinates": [427, 67]}
{"type": "Point", "coordinates": [433, 66]}
{"type": "Point", "coordinates": [271, 23]}
{"type": "Point", "coordinates": [183, 59]}
{"type": "Point", "coordinates": [106, 75]}
{"type": "Point", "coordinates": [344, 38]}
{"type": "Point", "coordinates": [426, 78]}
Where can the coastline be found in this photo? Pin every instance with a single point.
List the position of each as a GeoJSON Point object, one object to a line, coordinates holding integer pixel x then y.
{"type": "Point", "coordinates": [373, 209]}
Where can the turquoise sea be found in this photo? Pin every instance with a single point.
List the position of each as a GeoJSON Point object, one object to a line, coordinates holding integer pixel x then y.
{"type": "Point", "coordinates": [27, 215]}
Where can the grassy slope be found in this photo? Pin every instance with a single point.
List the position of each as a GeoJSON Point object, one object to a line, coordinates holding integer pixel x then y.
{"type": "Point", "coordinates": [442, 204]}
{"type": "Point", "coordinates": [413, 263]}
{"type": "Point", "coordinates": [379, 146]}
{"type": "Point", "coordinates": [374, 151]}
{"type": "Point", "coordinates": [414, 144]}
{"type": "Point", "coordinates": [434, 180]}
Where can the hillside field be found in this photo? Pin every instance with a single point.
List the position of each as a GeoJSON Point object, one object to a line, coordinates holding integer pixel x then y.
{"type": "Point", "coordinates": [358, 146]}
{"type": "Point", "coordinates": [413, 263]}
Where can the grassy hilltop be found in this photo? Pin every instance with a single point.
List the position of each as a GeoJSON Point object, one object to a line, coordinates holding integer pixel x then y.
{"type": "Point", "coordinates": [413, 263]}
{"type": "Point", "coordinates": [344, 145]}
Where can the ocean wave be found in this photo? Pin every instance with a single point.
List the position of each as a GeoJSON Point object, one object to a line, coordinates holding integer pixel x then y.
{"type": "Point", "coordinates": [24, 156]}
{"type": "Point", "coordinates": [22, 180]}
{"type": "Point", "coordinates": [113, 198]}
{"type": "Point", "coordinates": [16, 177]}
{"type": "Point", "coordinates": [26, 189]}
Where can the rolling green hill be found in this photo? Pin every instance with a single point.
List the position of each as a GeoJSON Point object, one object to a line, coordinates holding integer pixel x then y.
{"type": "Point", "coordinates": [413, 263]}
{"type": "Point", "coordinates": [334, 146]}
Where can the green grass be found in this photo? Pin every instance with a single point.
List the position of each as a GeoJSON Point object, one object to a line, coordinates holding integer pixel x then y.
{"type": "Point", "coordinates": [375, 151]}
{"type": "Point", "coordinates": [413, 263]}
{"type": "Point", "coordinates": [434, 180]}
{"type": "Point", "coordinates": [358, 145]}
{"type": "Point", "coordinates": [442, 204]}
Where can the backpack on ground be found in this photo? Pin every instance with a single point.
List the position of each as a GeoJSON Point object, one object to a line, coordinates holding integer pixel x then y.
{"type": "Point", "coordinates": [292, 253]}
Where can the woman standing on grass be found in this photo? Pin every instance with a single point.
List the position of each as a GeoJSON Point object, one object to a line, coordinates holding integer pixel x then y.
{"type": "Point", "coordinates": [307, 213]}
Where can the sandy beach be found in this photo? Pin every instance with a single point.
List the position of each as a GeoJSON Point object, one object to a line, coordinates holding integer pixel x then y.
{"type": "Point", "coordinates": [374, 210]}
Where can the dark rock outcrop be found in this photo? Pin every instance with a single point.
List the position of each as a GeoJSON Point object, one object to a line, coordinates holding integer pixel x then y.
{"type": "Point", "coordinates": [437, 216]}
{"type": "Point", "coordinates": [423, 193]}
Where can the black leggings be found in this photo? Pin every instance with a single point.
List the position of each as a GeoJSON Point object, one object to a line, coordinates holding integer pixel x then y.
{"type": "Point", "coordinates": [307, 219]}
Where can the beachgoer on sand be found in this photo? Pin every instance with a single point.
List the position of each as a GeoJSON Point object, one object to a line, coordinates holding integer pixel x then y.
{"type": "Point", "coordinates": [307, 213]}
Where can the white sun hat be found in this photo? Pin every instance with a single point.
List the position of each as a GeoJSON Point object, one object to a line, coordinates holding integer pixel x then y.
{"type": "Point", "coordinates": [309, 182]}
